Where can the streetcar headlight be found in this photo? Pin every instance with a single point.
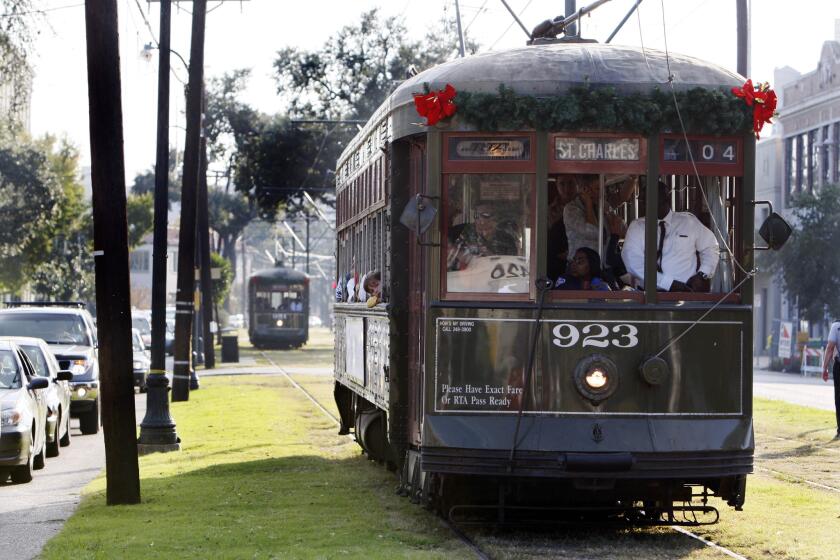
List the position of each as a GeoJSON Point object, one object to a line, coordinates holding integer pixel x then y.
{"type": "Point", "coordinates": [596, 378]}
{"type": "Point", "coordinates": [279, 322]}
{"type": "Point", "coordinates": [81, 392]}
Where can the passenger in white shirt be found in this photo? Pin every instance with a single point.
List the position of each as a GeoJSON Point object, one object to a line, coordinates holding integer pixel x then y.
{"type": "Point", "coordinates": [685, 239]}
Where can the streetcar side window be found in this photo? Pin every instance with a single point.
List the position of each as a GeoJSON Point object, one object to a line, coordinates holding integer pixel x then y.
{"type": "Point", "coordinates": [713, 203]}
{"type": "Point", "coordinates": [488, 236]}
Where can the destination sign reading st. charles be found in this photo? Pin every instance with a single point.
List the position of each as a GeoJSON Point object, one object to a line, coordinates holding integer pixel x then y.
{"type": "Point", "coordinates": [596, 149]}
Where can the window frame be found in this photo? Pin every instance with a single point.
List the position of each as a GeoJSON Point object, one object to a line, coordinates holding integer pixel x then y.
{"type": "Point", "coordinates": [527, 167]}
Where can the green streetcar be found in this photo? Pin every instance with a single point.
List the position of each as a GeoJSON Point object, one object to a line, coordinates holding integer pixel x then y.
{"type": "Point", "coordinates": [493, 395]}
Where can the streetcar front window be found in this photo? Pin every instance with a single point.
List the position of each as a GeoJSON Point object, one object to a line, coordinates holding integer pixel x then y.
{"type": "Point", "coordinates": [587, 219]}
{"type": "Point", "coordinates": [280, 299]}
{"type": "Point", "coordinates": [489, 233]}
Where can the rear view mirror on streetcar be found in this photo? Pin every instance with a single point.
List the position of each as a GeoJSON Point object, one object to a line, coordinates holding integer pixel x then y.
{"type": "Point", "coordinates": [775, 231]}
{"type": "Point", "coordinates": [418, 215]}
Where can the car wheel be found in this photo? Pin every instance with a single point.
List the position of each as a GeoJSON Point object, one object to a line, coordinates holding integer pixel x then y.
{"type": "Point", "coordinates": [40, 459]}
{"type": "Point", "coordinates": [65, 440]}
{"type": "Point", "coordinates": [89, 422]}
{"type": "Point", "coordinates": [23, 473]}
{"type": "Point", "coordinates": [52, 446]}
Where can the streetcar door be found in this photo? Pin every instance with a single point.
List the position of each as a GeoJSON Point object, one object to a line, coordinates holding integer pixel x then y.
{"type": "Point", "coordinates": [417, 294]}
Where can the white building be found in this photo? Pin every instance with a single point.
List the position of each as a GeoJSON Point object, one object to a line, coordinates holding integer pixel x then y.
{"type": "Point", "coordinates": [140, 269]}
{"type": "Point", "coordinates": [802, 155]}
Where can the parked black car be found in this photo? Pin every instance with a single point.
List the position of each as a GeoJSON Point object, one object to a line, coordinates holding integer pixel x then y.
{"type": "Point", "coordinates": [23, 415]}
{"type": "Point", "coordinates": [71, 335]}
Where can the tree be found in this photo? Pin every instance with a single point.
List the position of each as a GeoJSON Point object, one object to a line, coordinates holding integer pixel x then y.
{"type": "Point", "coordinates": [358, 67]}
{"type": "Point", "coordinates": [809, 263]}
{"type": "Point", "coordinates": [30, 197]}
{"type": "Point", "coordinates": [140, 217]}
{"type": "Point", "coordinates": [17, 18]}
{"type": "Point", "coordinates": [221, 285]}
{"type": "Point", "coordinates": [145, 182]}
{"type": "Point", "coordinates": [47, 224]}
{"type": "Point", "coordinates": [228, 216]}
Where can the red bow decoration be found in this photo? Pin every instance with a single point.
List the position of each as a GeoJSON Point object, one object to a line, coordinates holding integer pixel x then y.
{"type": "Point", "coordinates": [436, 105]}
{"type": "Point", "coordinates": [763, 101]}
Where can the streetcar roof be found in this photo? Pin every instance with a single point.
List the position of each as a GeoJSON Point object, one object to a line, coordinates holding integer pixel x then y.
{"type": "Point", "coordinates": [279, 274]}
{"type": "Point", "coordinates": [547, 70]}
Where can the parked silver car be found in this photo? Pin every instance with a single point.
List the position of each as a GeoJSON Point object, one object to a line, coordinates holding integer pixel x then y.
{"type": "Point", "coordinates": [58, 394]}
{"type": "Point", "coordinates": [23, 415]}
{"type": "Point", "coordinates": [141, 361]}
{"type": "Point", "coordinates": [71, 335]}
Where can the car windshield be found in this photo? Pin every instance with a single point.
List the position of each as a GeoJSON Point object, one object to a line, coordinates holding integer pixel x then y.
{"type": "Point", "coordinates": [9, 372]}
{"type": "Point", "coordinates": [38, 360]}
{"type": "Point", "coordinates": [141, 324]}
{"type": "Point", "coordinates": [53, 328]}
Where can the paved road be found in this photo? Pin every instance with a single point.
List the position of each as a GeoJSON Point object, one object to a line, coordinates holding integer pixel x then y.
{"type": "Point", "coordinates": [31, 514]}
{"type": "Point", "coordinates": [794, 388]}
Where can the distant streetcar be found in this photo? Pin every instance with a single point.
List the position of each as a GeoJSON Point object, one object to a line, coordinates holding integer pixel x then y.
{"type": "Point", "coordinates": [278, 308]}
{"type": "Point", "coordinates": [490, 393]}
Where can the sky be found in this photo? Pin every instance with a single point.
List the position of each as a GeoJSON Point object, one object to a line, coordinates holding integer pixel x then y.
{"type": "Point", "coordinates": [249, 33]}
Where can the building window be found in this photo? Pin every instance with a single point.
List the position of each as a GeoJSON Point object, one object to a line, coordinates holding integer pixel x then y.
{"type": "Point", "coordinates": [138, 261]}
{"type": "Point", "coordinates": [813, 161]}
{"type": "Point", "coordinates": [836, 149]}
{"type": "Point", "coordinates": [825, 152]}
{"type": "Point", "coordinates": [791, 165]}
{"type": "Point", "coordinates": [803, 150]}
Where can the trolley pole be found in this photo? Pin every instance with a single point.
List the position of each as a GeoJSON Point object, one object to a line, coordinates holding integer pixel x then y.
{"type": "Point", "coordinates": [185, 294]}
{"type": "Point", "coordinates": [743, 25]}
{"type": "Point", "coordinates": [110, 240]}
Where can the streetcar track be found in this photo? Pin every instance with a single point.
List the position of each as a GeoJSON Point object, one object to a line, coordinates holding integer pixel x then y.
{"type": "Point", "coordinates": [468, 542]}
{"type": "Point", "coordinates": [797, 440]}
{"type": "Point", "coordinates": [782, 474]}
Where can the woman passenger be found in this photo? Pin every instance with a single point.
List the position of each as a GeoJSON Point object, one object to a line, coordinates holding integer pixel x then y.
{"type": "Point", "coordinates": [584, 273]}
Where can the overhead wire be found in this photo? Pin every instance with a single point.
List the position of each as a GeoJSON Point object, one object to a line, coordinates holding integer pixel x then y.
{"type": "Point", "coordinates": [41, 11]}
{"type": "Point", "coordinates": [478, 13]}
{"type": "Point", "coordinates": [670, 82]}
{"type": "Point", "coordinates": [146, 21]}
{"type": "Point", "coordinates": [748, 275]}
{"type": "Point", "coordinates": [505, 32]}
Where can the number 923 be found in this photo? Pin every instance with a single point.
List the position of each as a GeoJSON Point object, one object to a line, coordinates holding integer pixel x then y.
{"type": "Point", "coordinates": [567, 335]}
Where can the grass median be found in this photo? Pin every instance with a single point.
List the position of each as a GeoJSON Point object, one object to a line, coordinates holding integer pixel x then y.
{"type": "Point", "coordinates": [262, 474]}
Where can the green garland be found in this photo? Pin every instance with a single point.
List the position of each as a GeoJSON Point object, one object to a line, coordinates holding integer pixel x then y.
{"type": "Point", "coordinates": [704, 111]}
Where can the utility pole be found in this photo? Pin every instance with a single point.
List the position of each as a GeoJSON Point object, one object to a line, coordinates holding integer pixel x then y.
{"type": "Point", "coordinates": [157, 430]}
{"type": "Point", "coordinates": [204, 247]}
{"type": "Point", "coordinates": [184, 297]}
{"type": "Point", "coordinates": [160, 243]}
{"type": "Point", "coordinates": [307, 216]}
{"type": "Point", "coordinates": [743, 26]}
{"type": "Point", "coordinates": [461, 48]}
{"type": "Point", "coordinates": [571, 8]}
{"type": "Point", "coordinates": [110, 241]}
